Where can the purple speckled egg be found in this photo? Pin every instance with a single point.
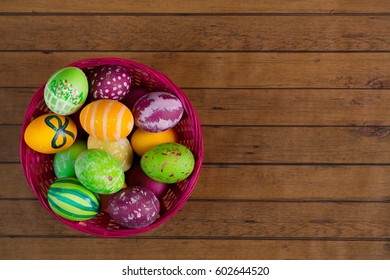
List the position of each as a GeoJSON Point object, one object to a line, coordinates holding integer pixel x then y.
{"type": "Point", "coordinates": [134, 207]}
{"type": "Point", "coordinates": [157, 111]}
{"type": "Point", "coordinates": [108, 82]}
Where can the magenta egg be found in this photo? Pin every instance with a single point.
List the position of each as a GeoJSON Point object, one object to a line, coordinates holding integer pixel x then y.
{"type": "Point", "coordinates": [108, 82]}
{"type": "Point", "coordinates": [134, 207]}
{"type": "Point", "coordinates": [135, 176]}
{"type": "Point", "coordinates": [135, 93]}
{"type": "Point", "coordinates": [157, 111]}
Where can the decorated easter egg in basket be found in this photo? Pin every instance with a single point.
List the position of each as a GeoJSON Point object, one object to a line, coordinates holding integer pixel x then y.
{"type": "Point", "coordinates": [110, 120]}
{"type": "Point", "coordinates": [107, 120]}
{"type": "Point", "coordinates": [66, 91]}
{"type": "Point", "coordinates": [50, 133]}
{"type": "Point", "coordinates": [108, 82]}
{"type": "Point", "coordinates": [157, 111]}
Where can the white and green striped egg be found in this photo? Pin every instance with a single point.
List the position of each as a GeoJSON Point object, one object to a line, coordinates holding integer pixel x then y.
{"type": "Point", "coordinates": [66, 91]}
{"type": "Point", "coordinates": [69, 199]}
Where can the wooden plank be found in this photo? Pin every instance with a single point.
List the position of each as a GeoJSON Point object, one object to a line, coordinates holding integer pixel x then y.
{"type": "Point", "coordinates": [17, 100]}
{"type": "Point", "coordinates": [10, 138]}
{"type": "Point", "coordinates": [228, 219]}
{"type": "Point", "coordinates": [172, 249]}
{"type": "Point", "coordinates": [177, 33]}
{"type": "Point", "coordinates": [291, 107]}
{"type": "Point", "coordinates": [197, 6]}
{"type": "Point", "coordinates": [220, 70]}
{"type": "Point", "coordinates": [296, 144]}
{"type": "Point", "coordinates": [14, 183]}
{"type": "Point", "coordinates": [256, 106]}
{"type": "Point", "coordinates": [261, 182]}
{"type": "Point", "coordinates": [304, 145]}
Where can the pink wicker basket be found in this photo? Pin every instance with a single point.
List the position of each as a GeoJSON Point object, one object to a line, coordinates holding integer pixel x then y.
{"type": "Point", "coordinates": [38, 168]}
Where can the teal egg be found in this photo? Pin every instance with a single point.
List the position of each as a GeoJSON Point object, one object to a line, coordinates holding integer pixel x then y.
{"type": "Point", "coordinates": [99, 171]}
{"type": "Point", "coordinates": [69, 199]}
{"type": "Point", "coordinates": [64, 161]}
{"type": "Point", "coordinates": [66, 91]}
{"type": "Point", "coordinates": [168, 163]}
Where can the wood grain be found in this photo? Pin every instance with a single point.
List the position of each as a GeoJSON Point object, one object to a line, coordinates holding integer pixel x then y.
{"type": "Point", "coordinates": [10, 138]}
{"type": "Point", "coordinates": [297, 144]}
{"type": "Point", "coordinates": [220, 70]}
{"type": "Point", "coordinates": [260, 182]}
{"type": "Point", "coordinates": [257, 106]}
{"type": "Point", "coordinates": [17, 100]}
{"type": "Point", "coordinates": [290, 107]}
{"type": "Point", "coordinates": [172, 249]}
{"type": "Point", "coordinates": [234, 220]}
{"type": "Point", "coordinates": [293, 102]}
{"type": "Point", "coordinates": [230, 144]}
{"type": "Point", "coordinates": [171, 33]}
{"type": "Point", "coordinates": [197, 6]}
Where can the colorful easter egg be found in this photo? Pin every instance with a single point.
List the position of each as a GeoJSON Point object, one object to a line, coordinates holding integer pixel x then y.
{"type": "Point", "coordinates": [168, 163]}
{"type": "Point", "coordinates": [64, 161]}
{"type": "Point", "coordinates": [157, 111]}
{"type": "Point", "coordinates": [50, 133]}
{"type": "Point", "coordinates": [121, 149]}
{"type": "Point", "coordinates": [142, 140]}
{"type": "Point", "coordinates": [109, 82]}
{"type": "Point", "coordinates": [107, 120]}
{"type": "Point", "coordinates": [69, 199]}
{"type": "Point", "coordinates": [66, 91]}
{"type": "Point", "coordinates": [136, 177]}
{"type": "Point", "coordinates": [99, 171]}
{"type": "Point", "coordinates": [134, 207]}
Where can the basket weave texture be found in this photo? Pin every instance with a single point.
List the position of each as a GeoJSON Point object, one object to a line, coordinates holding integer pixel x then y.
{"type": "Point", "coordinates": [38, 168]}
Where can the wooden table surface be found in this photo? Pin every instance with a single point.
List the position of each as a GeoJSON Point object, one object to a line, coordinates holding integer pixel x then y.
{"type": "Point", "coordinates": [294, 102]}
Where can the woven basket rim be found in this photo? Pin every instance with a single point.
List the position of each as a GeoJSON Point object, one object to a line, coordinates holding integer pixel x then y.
{"type": "Point", "coordinates": [26, 158]}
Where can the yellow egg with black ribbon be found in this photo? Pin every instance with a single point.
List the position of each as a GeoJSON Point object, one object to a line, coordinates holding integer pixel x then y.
{"type": "Point", "coordinates": [50, 133]}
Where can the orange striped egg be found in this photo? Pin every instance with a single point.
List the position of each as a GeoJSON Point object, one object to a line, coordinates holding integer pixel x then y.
{"type": "Point", "coordinates": [107, 120]}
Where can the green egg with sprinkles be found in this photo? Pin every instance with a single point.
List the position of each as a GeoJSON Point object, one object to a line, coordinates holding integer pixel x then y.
{"type": "Point", "coordinates": [66, 91]}
{"type": "Point", "coordinates": [69, 199]}
{"type": "Point", "coordinates": [168, 163]}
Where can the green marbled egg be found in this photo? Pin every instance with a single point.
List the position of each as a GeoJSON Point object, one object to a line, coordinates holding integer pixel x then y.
{"type": "Point", "coordinates": [99, 171]}
{"type": "Point", "coordinates": [168, 163]}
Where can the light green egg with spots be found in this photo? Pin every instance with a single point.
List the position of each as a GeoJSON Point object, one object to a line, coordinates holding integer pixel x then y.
{"type": "Point", "coordinates": [99, 171]}
{"type": "Point", "coordinates": [66, 91]}
{"type": "Point", "coordinates": [64, 161]}
{"type": "Point", "coordinates": [168, 163]}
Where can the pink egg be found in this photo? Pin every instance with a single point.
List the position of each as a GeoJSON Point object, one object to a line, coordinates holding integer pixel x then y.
{"type": "Point", "coordinates": [134, 207]}
{"type": "Point", "coordinates": [108, 82]}
{"type": "Point", "coordinates": [136, 177]}
{"type": "Point", "coordinates": [157, 111]}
